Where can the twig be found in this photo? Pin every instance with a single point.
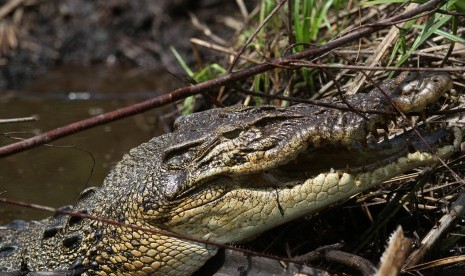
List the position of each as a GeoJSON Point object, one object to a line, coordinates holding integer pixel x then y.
{"type": "Point", "coordinates": [206, 31]}
{"type": "Point", "coordinates": [452, 43]}
{"type": "Point", "coordinates": [249, 40]}
{"type": "Point", "coordinates": [342, 107]}
{"type": "Point", "coordinates": [379, 53]}
{"type": "Point", "coordinates": [309, 64]}
{"type": "Point", "coordinates": [242, 8]}
{"type": "Point", "coordinates": [19, 120]}
{"type": "Point", "coordinates": [109, 221]}
{"type": "Point", "coordinates": [443, 262]}
{"type": "Point", "coordinates": [221, 49]}
{"type": "Point", "coordinates": [457, 210]}
{"type": "Point", "coordinates": [333, 255]}
{"type": "Point", "coordinates": [9, 7]}
{"type": "Point", "coordinates": [184, 92]}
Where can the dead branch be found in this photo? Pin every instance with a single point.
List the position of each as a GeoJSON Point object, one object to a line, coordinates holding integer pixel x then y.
{"type": "Point", "coordinates": [19, 120]}
{"type": "Point", "coordinates": [438, 231]}
{"type": "Point", "coordinates": [72, 213]}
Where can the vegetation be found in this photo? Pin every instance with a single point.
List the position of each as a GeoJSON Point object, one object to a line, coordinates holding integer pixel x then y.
{"type": "Point", "coordinates": [302, 24]}
{"type": "Point", "coordinates": [427, 42]}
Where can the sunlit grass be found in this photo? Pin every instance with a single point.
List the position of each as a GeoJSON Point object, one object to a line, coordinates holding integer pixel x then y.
{"type": "Point", "coordinates": [308, 25]}
{"type": "Point", "coordinates": [302, 24]}
{"type": "Point", "coordinates": [208, 72]}
{"type": "Point", "coordinates": [402, 50]}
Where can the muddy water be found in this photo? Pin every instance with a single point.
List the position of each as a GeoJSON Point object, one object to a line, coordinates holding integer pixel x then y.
{"type": "Point", "coordinates": [54, 175]}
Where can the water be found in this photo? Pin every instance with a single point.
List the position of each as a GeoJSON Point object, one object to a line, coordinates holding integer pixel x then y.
{"type": "Point", "coordinates": [54, 175]}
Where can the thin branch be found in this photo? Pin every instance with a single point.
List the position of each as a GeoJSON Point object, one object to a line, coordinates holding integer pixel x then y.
{"type": "Point", "coordinates": [19, 120]}
{"type": "Point", "coordinates": [331, 254]}
{"type": "Point", "coordinates": [9, 7]}
{"type": "Point", "coordinates": [342, 107]}
{"type": "Point", "coordinates": [249, 40]}
{"type": "Point", "coordinates": [432, 238]}
{"type": "Point", "coordinates": [309, 64]}
{"type": "Point", "coordinates": [113, 222]}
{"type": "Point", "coordinates": [221, 49]}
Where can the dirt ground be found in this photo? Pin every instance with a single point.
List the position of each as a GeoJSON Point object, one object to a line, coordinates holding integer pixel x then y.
{"type": "Point", "coordinates": [37, 35]}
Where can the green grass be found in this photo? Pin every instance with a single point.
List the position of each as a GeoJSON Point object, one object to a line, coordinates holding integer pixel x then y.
{"type": "Point", "coordinates": [208, 72]}
{"type": "Point", "coordinates": [402, 51]}
{"type": "Point", "coordinates": [310, 23]}
{"type": "Point", "coordinates": [309, 17]}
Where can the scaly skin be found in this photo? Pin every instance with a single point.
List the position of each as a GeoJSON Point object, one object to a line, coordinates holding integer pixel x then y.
{"type": "Point", "coordinates": [225, 175]}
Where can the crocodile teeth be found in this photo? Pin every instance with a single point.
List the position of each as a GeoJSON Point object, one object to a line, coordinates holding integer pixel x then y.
{"type": "Point", "coordinates": [411, 148]}
{"type": "Point", "coordinates": [441, 142]}
{"type": "Point", "coordinates": [385, 136]}
{"type": "Point", "coordinates": [347, 169]}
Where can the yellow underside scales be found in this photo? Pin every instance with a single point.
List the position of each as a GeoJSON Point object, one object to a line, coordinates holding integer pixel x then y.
{"type": "Point", "coordinates": [271, 206]}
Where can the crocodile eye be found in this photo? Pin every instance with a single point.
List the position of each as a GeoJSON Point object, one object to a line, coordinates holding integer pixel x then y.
{"type": "Point", "coordinates": [178, 157]}
{"type": "Point", "coordinates": [177, 161]}
{"type": "Point", "coordinates": [232, 134]}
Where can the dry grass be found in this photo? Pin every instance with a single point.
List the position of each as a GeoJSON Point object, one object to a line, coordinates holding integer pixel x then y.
{"type": "Point", "coordinates": [416, 201]}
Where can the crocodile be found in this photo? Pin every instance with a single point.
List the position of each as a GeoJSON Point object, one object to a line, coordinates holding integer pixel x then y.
{"type": "Point", "coordinates": [225, 175]}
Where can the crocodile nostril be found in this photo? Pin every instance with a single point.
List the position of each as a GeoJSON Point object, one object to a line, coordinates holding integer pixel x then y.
{"type": "Point", "coordinates": [7, 251]}
{"type": "Point", "coordinates": [73, 220]}
{"type": "Point", "coordinates": [72, 241]}
{"type": "Point", "coordinates": [50, 232]}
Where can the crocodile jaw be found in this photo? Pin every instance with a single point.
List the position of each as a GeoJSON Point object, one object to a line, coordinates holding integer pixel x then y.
{"type": "Point", "coordinates": [245, 212]}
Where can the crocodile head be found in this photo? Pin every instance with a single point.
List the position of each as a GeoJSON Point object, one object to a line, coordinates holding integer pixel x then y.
{"type": "Point", "coordinates": [255, 168]}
